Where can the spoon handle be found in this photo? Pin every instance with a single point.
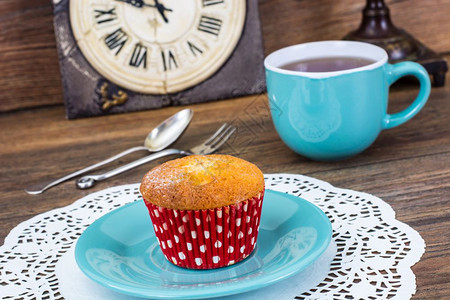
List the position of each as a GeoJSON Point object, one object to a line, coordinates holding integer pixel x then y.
{"type": "Point", "coordinates": [40, 189]}
{"type": "Point", "coordinates": [89, 181]}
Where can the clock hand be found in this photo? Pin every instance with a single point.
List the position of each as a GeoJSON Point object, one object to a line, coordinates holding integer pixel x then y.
{"type": "Point", "coordinates": [135, 3]}
{"type": "Point", "coordinates": [140, 3]}
{"type": "Point", "coordinates": [161, 9]}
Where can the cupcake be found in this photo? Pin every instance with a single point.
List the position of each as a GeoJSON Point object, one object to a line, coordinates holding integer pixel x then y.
{"type": "Point", "coordinates": [205, 209]}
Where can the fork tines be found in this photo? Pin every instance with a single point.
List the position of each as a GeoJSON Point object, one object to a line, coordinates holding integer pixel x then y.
{"type": "Point", "coordinates": [216, 140]}
{"type": "Point", "coordinates": [221, 136]}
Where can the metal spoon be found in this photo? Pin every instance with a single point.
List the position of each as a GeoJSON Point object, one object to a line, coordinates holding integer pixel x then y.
{"type": "Point", "coordinates": [158, 139]}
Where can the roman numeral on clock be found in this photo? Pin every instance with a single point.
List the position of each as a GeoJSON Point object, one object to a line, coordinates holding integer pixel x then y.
{"type": "Point", "coordinates": [139, 56]}
{"type": "Point", "coordinates": [116, 40]}
{"type": "Point", "coordinates": [210, 25]}
{"type": "Point", "coordinates": [212, 2]}
{"type": "Point", "coordinates": [194, 49]}
{"type": "Point", "coordinates": [169, 60]}
{"type": "Point", "coordinates": [103, 16]}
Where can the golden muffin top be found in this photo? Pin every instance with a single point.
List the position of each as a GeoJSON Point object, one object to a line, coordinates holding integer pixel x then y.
{"type": "Point", "coordinates": [202, 182]}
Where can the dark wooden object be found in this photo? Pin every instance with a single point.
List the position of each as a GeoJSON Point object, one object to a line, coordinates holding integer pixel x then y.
{"type": "Point", "coordinates": [408, 166]}
{"type": "Point", "coordinates": [377, 28]}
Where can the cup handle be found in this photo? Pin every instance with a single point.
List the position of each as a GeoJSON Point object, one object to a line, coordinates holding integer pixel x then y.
{"type": "Point", "coordinates": [398, 70]}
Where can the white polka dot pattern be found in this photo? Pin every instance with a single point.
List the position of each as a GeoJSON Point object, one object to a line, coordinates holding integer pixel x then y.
{"type": "Point", "coordinates": [207, 239]}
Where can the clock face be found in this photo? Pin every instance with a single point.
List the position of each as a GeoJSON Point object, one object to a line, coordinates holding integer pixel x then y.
{"type": "Point", "coordinates": [157, 46]}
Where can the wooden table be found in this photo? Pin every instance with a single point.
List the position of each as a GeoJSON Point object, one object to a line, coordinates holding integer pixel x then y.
{"type": "Point", "coordinates": [408, 167]}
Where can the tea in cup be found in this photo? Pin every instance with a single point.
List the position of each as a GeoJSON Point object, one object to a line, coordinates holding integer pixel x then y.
{"type": "Point", "coordinates": [329, 99]}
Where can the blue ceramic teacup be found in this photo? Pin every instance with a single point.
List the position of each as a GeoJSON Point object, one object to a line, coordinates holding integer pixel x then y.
{"type": "Point", "coordinates": [335, 115]}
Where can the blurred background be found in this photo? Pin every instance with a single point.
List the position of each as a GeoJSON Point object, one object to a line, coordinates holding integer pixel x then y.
{"type": "Point", "coordinates": [30, 75]}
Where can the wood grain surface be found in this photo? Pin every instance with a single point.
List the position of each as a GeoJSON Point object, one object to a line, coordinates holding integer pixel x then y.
{"type": "Point", "coordinates": [408, 166]}
{"type": "Point", "coordinates": [29, 63]}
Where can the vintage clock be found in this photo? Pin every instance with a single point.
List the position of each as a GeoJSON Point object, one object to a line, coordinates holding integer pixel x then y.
{"type": "Point", "coordinates": [127, 55]}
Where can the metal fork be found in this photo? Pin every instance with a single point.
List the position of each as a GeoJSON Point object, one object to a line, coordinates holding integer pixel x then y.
{"type": "Point", "coordinates": [207, 147]}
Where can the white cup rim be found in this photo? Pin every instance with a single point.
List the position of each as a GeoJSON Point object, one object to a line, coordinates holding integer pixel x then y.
{"type": "Point", "coordinates": [311, 50]}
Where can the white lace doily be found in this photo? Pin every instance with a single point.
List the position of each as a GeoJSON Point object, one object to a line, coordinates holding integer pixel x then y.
{"type": "Point", "coordinates": [370, 256]}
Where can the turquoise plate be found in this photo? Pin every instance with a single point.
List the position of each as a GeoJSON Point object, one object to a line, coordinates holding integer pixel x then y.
{"type": "Point", "coordinates": [120, 252]}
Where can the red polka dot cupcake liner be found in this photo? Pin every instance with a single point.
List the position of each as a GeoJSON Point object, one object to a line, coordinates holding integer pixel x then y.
{"type": "Point", "coordinates": [209, 238]}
